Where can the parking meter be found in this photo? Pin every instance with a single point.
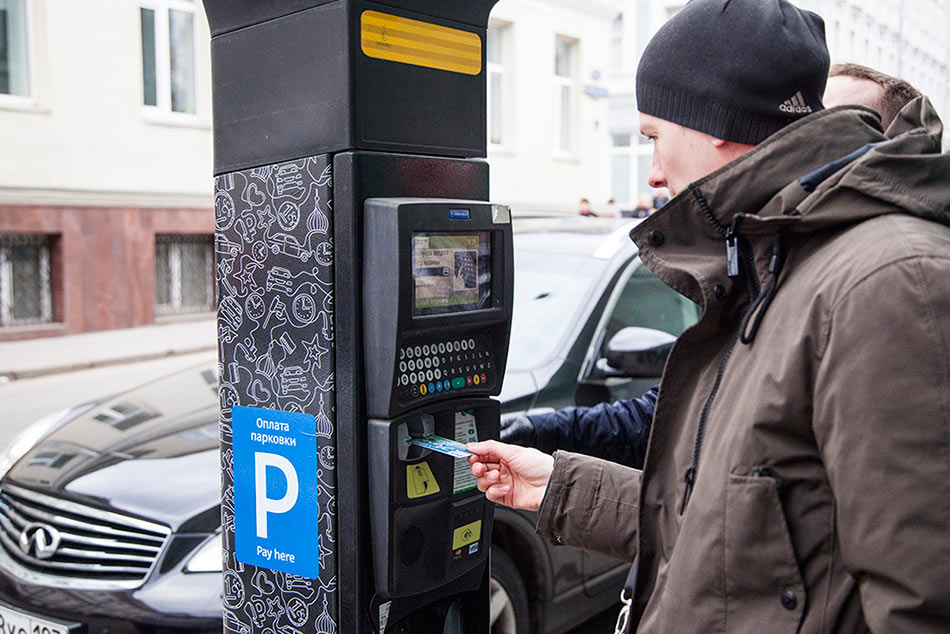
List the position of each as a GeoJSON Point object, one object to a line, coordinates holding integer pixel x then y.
{"type": "Point", "coordinates": [364, 293]}
{"type": "Point", "coordinates": [437, 275]}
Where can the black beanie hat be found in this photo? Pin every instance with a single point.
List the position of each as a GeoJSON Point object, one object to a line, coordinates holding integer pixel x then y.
{"type": "Point", "coordinates": [738, 70]}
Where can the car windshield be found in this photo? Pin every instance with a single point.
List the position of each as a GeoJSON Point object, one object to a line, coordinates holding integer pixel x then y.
{"type": "Point", "coordinates": [552, 292]}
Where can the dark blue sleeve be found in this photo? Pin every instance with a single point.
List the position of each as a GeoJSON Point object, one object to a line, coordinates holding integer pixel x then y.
{"type": "Point", "coordinates": [613, 431]}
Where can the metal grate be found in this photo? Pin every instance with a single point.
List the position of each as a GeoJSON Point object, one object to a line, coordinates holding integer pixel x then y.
{"type": "Point", "coordinates": [85, 547]}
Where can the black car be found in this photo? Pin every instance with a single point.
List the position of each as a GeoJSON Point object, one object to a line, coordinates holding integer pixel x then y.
{"type": "Point", "coordinates": [110, 512]}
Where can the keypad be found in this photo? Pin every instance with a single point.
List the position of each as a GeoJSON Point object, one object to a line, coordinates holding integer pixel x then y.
{"type": "Point", "coordinates": [443, 366]}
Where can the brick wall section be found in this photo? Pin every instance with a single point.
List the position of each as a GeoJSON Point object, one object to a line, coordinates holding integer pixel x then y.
{"type": "Point", "coordinates": [102, 262]}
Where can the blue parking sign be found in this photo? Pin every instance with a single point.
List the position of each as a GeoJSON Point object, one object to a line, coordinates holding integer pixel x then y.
{"type": "Point", "coordinates": [276, 512]}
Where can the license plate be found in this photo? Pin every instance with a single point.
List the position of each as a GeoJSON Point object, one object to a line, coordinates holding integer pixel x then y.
{"type": "Point", "coordinates": [16, 622]}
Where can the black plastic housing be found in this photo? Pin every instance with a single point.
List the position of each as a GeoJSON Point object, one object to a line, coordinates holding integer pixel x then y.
{"type": "Point", "coordinates": [290, 80]}
{"type": "Point", "coordinates": [390, 326]}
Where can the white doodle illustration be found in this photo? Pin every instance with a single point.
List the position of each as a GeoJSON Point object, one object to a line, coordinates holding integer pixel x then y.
{"type": "Point", "coordinates": [274, 257]}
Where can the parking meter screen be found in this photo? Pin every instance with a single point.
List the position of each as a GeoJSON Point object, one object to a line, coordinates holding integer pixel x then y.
{"type": "Point", "coordinates": [451, 272]}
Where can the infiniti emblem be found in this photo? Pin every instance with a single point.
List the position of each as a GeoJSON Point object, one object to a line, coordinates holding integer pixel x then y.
{"type": "Point", "coordinates": [40, 539]}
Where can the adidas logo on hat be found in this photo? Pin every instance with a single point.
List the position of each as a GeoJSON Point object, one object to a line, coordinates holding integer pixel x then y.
{"type": "Point", "coordinates": [795, 105]}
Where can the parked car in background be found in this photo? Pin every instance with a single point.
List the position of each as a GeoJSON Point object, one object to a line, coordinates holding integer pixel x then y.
{"type": "Point", "coordinates": [110, 511]}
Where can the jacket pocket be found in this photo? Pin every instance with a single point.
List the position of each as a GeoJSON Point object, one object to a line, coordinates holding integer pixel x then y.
{"type": "Point", "coordinates": [764, 591]}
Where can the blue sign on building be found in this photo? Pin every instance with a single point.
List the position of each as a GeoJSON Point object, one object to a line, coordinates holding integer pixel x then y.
{"type": "Point", "coordinates": [276, 513]}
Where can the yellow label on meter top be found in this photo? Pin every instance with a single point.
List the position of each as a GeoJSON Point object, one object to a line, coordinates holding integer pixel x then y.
{"type": "Point", "coordinates": [419, 481]}
{"type": "Point", "coordinates": [407, 41]}
{"type": "Point", "coordinates": [465, 535]}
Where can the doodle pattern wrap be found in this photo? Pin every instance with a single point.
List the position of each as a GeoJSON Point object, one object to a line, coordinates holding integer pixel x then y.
{"type": "Point", "coordinates": [274, 254]}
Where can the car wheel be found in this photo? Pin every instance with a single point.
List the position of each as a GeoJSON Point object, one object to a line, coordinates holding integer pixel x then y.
{"type": "Point", "coordinates": [509, 601]}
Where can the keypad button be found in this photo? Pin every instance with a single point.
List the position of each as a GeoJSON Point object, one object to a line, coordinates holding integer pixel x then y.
{"type": "Point", "coordinates": [468, 381]}
{"type": "Point", "coordinates": [458, 382]}
{"type": "Point", "coordinates": [438, 386]}
{"type": "Point", "coordinates": [423, 389]}
{"type": "Point", "coordinates": [402, 353]}
{"type": "Point", "coordinates": [438, 373]}
{"type": "Point", "coordinates": [441, 347]}
{"type": "Point", "coordinates": [418, 351]}
{"type": "Point", "coordinates": [425, 350]}
{"type": "Point", "coordinates": [431, 387]}
{"type": "Point", "coordinates": [436, 362]}
{"type": "Point", "coordinates": [484, 378]}
{"type": "Point", "coordinates": [471, 344]}
{"type": "Point", "coordinates": [428, 362]}
{"type": "Point", "coordinates": [429, 375]}
{"type": "Point", "coordinates": [464, 344]}
{"type": "Point", "coordinates": [402, 366]}
{"type": "Point", "coordinates": [415, 391]}
{"type": "Point", "coordinates": [476, 379]}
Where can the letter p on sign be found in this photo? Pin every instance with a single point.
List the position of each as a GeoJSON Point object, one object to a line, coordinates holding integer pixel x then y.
{"type": "Point", "coordinates": [264, 504]}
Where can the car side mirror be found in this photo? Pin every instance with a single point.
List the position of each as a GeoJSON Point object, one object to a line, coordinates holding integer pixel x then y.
{"type": "Point", "coordinates": [637, 353]}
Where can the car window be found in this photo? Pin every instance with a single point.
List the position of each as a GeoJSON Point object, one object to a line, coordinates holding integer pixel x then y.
{"type": "Point", "coordinates": [647, 302]}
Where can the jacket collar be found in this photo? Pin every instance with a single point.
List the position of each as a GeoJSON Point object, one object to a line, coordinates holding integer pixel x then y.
{"type": "Point", "coordinates": [684, 242]}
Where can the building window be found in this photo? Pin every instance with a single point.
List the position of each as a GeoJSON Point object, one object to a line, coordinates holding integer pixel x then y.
{"type": "Point", "coordinates": [168, 55]}
{"type": "Point", "coordinates": [496, 83]}
{"type": "Point", "coordinates": [564, 54]}
{"type": "Point", "coordinates": [25, 296]}
{"type": "Point", "coordinates": [184, 274]}
{"type": "Point", "coordinates": [14, 49]}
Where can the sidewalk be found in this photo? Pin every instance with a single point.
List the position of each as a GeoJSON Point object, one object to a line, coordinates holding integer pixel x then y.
{"type": "Point", "coordinates": [52, 355]}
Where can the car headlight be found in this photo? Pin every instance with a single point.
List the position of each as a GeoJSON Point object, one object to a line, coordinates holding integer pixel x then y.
{"type": "Point", "coordinates": [25, 440]}
{"type": "Point", "coordinates": [208, 557]}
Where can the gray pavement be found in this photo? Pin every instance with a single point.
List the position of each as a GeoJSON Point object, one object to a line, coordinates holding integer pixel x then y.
{"type": "Point", "coordinates": [53, 355]}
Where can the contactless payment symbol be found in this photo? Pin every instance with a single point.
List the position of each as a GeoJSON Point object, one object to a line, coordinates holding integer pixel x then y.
{"type": "Point", "coordinates": [276, 509]}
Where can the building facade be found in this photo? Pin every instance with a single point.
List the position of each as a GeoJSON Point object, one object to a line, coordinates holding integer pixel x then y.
{"type": "Point", "coordinates": [909, 39]}
{"type": "Point", "coordinates": [106, 212]}
{"type": "Point", "coordinates": [106, 218]}
{"type": "Point", "coordinates": [549, 144]}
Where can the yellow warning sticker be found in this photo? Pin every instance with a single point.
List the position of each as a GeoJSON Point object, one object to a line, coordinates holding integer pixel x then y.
{"type": "Point", "coordinates": [408, 41]}
{"type": "Point", "coordinates": [465, 535]}
{"type": "Point", "coordinates": [419, 481]}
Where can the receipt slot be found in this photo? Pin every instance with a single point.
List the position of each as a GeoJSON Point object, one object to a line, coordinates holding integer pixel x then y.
{"type": "Point", "coordinates": [363, 291]}
{"type": "Point", "coordinates": [437, 295]}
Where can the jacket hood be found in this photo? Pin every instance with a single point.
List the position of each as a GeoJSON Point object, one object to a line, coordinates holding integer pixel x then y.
{"type": "Point", "coordinates": [832, 168]}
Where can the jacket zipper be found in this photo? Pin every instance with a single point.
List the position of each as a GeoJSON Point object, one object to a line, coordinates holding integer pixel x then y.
{"type": "Point", "coordinates": [735, 248]}
{"type": "Point", "coordinates": [690, 476]}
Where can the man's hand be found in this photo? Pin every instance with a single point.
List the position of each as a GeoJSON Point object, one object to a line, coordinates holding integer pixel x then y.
{"type": "Point", "coordinates": [510, 475]}
{"type": "Point", "coordinates": [517, 429]}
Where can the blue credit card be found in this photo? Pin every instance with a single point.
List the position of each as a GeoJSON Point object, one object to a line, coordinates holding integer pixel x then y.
{"type": "Point", "coordinates": [442, 445]}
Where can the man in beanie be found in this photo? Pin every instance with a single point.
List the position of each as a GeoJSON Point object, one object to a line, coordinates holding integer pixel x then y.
{"type": "Point", "coordinates": [798, 471]}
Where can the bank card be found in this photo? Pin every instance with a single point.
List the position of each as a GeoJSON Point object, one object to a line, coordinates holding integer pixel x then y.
{"type": "Point", "coordinates": [442, 445]}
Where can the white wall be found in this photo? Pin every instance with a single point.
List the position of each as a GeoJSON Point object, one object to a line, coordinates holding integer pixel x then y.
{"type": "Point", "coordinates": [84, 129]}
{"type": "Point", "coordinates": [527, 171]}
{"type": "Point", "coordinates": [84, 135]}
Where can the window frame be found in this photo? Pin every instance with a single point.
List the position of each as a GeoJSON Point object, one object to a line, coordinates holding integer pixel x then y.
{"type": "Point", "coordinates": [560, 82]}
{"type": "Point", "coordinates": [28, 101]}
{"type": "Point", "coordinates": [162, 111]}
{"type": "Point", "coordinates": [6, 280]}
{"type": "Point", "coordinates": [176, 305]}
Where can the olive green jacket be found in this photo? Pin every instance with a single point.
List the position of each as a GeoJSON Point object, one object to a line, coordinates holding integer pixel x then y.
{"type": "Point", "coordinates": [798, 472]}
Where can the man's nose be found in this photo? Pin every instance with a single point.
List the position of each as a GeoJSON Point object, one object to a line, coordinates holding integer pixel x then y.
{"type": "Point", "coordinates": [656, 177]}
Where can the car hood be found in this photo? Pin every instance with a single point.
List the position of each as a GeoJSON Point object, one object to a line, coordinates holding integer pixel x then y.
{"type": "Point", "coordinates": [151, 452]}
